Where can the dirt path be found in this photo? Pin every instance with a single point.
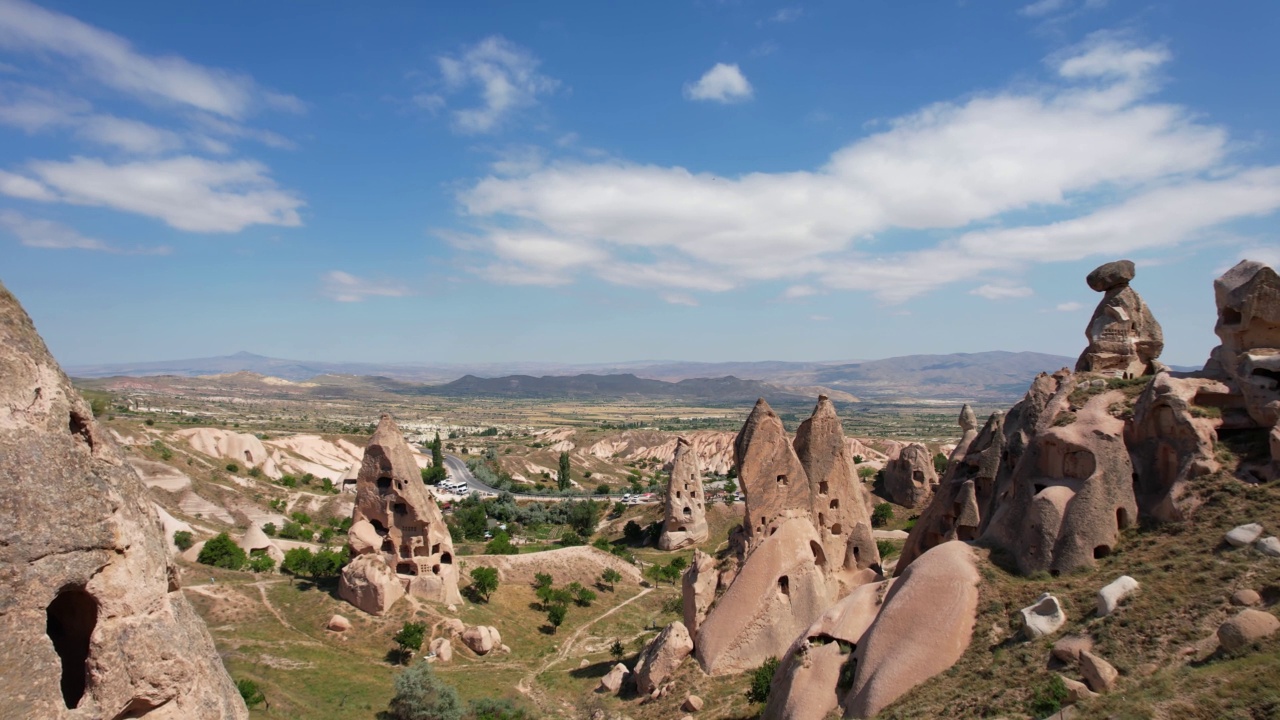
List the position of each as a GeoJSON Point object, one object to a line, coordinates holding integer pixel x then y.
{"type": "Point", "coordinates": [262, 590]}
{"type": "Point", "coordinates": [526, 683]}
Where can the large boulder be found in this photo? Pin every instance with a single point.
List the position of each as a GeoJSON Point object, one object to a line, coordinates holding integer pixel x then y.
{"type": "Point", "coordinates": [1124, 337]}
{"type": "Point", "coordinates": [93, 621]}
{"type": "Point", "coordinates": [442, 647]}
{"type": "Point", "coordinates": [1243, 535]}
{"type": "Point", "coordinates": [910, 478]}
{"type": "Point", "coordinates": [805, 685]}
{"type": "Point", "coordinates": [1110, 596]}
{"type": "Point", "coordinates": [1099, 673]}
{"type": "Point", "coordinates": [685, 523]}
{"type": "Point", "coordinates": [1247, 627]}
{"type": "Point", "coordinates": [1171, 443]}
{"type": "Point", "coordinates": [482, 639]}
{"type": "Point", "coordinates": [662, 657]}
{"type": "Point", "coordinates": [923, 629]}
{"type": "Point", "coordinates": [338, 623]}
{"type": "Point", "coordinates": [612, 681]}
{"type": "Point", "coordinates": [699, 590]}
{"type": "Point", "coordinates": [370, 584]}
{"type": "Point", "coordinates": [1043, 617]}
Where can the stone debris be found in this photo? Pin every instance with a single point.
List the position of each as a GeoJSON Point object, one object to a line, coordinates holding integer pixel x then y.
{"type": "Point", "coordinates": [1124, 337]}
{"type": "Point", "coordinates": [1099, 673]}
{"type": "Point", "coordinates": [443, 649]}
{"type": "Point", "coordinates": [1109, 597]}
{"type": "Point", "coordinates": [1243, 535]}
{"type": "Point", "coordinates": [1076, 690]}
{"type": "Point", "coordinates": [1269, 546]}
{"type": "Point", "coordinates": [93, 616]}
{"type": "Point", "coordinates": [686, 514]}
{"type": "Point", "coordinates": [1067, 650]}
{"type": "Point", "coordinates": [1247, 627]}
{"type": "Point", "coordinates": [1043, 617]}
{"type": "Point", "coordinates": [337, 623]}
{"type": "Point", "coordinates": [693, 703]}
{"type": "Point", "coordinates": [1246, 598]}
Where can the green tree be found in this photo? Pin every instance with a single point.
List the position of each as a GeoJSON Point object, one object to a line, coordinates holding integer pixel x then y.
{"type": "Point", "coordinates": [633, 533]}
{"type": "Point", "coordinates": [269, 529]}
{"type": "Point", "coordinates": [420, 695]}
{"type": "Point", "coordinates": [602, 489]}
{"type": "Point", "coordinates": [541, 580]}
{"type": "Point", "coordinates": [409, 639]}
{"type": "Point", "coordinates": [555, 616]}
{"type": "Point", "coordinates": [472, 520]}
{"type": "Point", "coordinates": [250, 693]}
{"type": "Point", "coordinates": [616, 650]}
{"type": "Point", "coordinates": [940, 463]}
{"type": "Point", "coordinates": [585, 597]}
{"type": "Point", "coordinates": [433, 475]}
{"type": "Point", "coordinates": [569, 538]}
{"type": "Point", "coordinates": [221, 551]}
{"type": "Point", "coordinates": [610, 576]}
{"type": "Point", "coordinates": [882, 514]}
{"type": "Point", "coordinates": [297, 561]}
{"type": "Point", "coordinates": [262, 563]}
{"type": "Point", "coordinates": [182, 540]}
{"type": "Point", "coordinates": [501, 545]}
{"type": "Point", "coordinates": [583, 516]}
{"type": "Point", "coordinates": [484, 580]}
{"type": "Point", "coordinates": [761, 678]}
{"type": "Point", "coordinates": [562, 476]}
{"type": "Point", "coordinates": [437, 453]}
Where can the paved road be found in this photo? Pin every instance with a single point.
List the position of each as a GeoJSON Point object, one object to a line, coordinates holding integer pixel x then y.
{"type": "Point", "coordinates": [459, 471]}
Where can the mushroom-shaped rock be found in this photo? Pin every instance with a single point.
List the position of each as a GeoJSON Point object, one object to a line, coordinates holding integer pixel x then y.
{"type": "Point", "coordinates": [337, 623]}
{"type": "Point", "coordinates": [662, 657]}
{"type": "Point", "coordinates": [1099, 673]}
{"type": "Point", "coordinates": [1269, 546]}
{"type": "Point", "coordinates": [1243, 535]}
{"type": "Point", "coordinates": [699, 589]}
{"type": "Point", "coordinates": [369, 584]}
{"type": "Point", "coordinates": [805, 682]}
{"type": "Point", "coordinates": [1124, 337]}
{"type": "Point", "coordinates": [91, 617]}
{"type": "Point", "coordinates": [443, 649]}
{"type": "Point", "coordinates": [1109, 597]}
{"type": "Point", "coordinates": [1247, 627]}
{"type": "Point", "coordinates": [1043, 617]}
{"type": "Point", "coordinates": [924, 627]}
{"type": "Point", "coordinates": [1246, 598]}
{"type": "Point", "coordinates": [612, 681]}
{"type": "Point", "coordinates": [1068, 649]}
{"type": "Point", "coordinates": [692, 703]}
{"type": "Point", "coordinates": [482, 638]}
{"type": "Point", "coordinates": [910, 478]}
{"type": "Point", "coordinates": [686, 514]}
{"type": "Point", "coordinates": [781, 589]}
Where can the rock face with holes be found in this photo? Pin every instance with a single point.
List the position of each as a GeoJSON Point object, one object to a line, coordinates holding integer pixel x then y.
{"type": "Point", "coordinates": [910, 478]}
{"type": "Point", "coordinates": [93, 621]}
{"type": "Point", "coordinates": [413, 542]}
{"type": "Point", "coordinates": [924, 627]}
{"type": "Point", "coordinates": [1171, 442]}
{"type": "Point", "coordinates": [772, 478]}
{"type": "Point", "coordinates": [1248, 299]}
{"type": "Point", "coordinates": [686, 516]}
{"type": "Point", "coordinates": [1124, 337]}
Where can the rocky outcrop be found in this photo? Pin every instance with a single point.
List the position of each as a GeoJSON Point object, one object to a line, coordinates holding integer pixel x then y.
{"type": "Point", "coordinates": [1247, 627]}
{"type": "Point", "coordinates": [838, 499]}
{"type": "Point", "coordinates": [699, 590]}
{"type": "Point", "coordinates": [806, 683]}
{"type": "Point", "coordinates": [910, 478]}
{"type": "Point", "coordinates": [686, 514]}
{"type": "Point", "coordinates": [772, 478]}
{"type": "Point", "coordinates": [662, 657]}
{"type": "Point", "coordinates": [338, 623]}
{"type": "Point", "coordinates": [93, 621]}
{"type": "Point", "coordinates": [924, 627]}
{"type": "Point", "coordinates": [1114, 593]}
{"type": "Point", "coordinates": [1100, 674]}
{"type": "Point", "coordinates": [1171, 442]}
{"type": "Point", "coordinates": [1043, 617]}
{"type": "Point", "coordinates": [370, 584]}
{"type": "Point", "coordinates": [1248, 299]}
{"type": "Point", "coordinates": [1124, 337]}
{"type": "Point", "coordinates": [482, 639]}
{"type": "Point", "coordinates": [612, 681]}
{"type": "Point", "coordinates": [414, 546]}
{"type": "Point", "coordinates": [442, 648]}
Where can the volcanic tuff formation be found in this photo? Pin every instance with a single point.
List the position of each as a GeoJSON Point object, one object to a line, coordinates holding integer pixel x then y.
{"type": "Point", "coordinates": [910, 478]}
{"type": "Point", "coordinates": [686, 519]}
{"type": "Point", "coordinates": [93, 622]}
{"type": "Point", "coordinates": [1124, 337]}
{"type": "Point", "coordinates": [414, 545]}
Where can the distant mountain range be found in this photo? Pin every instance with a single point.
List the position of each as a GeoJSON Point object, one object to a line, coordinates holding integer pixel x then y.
{"type": "Point", "coordinates": [995, 376]}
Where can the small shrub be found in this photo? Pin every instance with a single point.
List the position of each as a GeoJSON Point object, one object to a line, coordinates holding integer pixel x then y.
{"type": "Point", "coordinates": [233, 468]}
{"type": "Point", "coordinates": [761, 678]}
{"type": "Point", "coordinates": [882, 514]}
{"type": "Point", "coordinates": [420, 695]}
{"type": "Point", "coordinates": [866, 472]}
{"type": "Point", "coordinates": [262, 563]}
{"type": "Point", "coordinates": [1048, 698]}
{"type": "Point", "coordinates": [940, 463]}
{"type": "Point", "coordinates": [602, 489]}
{"type": "Point", "coordinates": [571, 538]}
{"type": "Point", "coordinates": [183, 540]}
{"type": "Point", "coordinates": [269, 529]}
{"type": "Point", "coordinates": [255, 472]}
{"type": "Point", "coordinates": [250, 692]}
{"type": "Point", "coordinates": [886, 548]}
{"type": "Point", "coordinates": [409, 639]}
{"type": "Point", "coordinates": [501, 545]}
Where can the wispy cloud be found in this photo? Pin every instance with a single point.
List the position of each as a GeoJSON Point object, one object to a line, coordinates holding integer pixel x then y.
{"type": "Point", "coordinates": [1068, 306]}
{"type": "Point", "coordinates": [722, 83]}
{"type": "Point", "coordinates": [504, 76]}
{"type": "Point", "coordinates": [787, 14]}
{"type": "Point", "coordinates": [47, 234]}
{"type": "Point", "coordinates": [345, 287]}
{"type": "Point", "coordinates": [1001, 292]}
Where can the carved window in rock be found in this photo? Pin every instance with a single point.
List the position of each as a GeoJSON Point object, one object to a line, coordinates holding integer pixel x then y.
{"type": "Point", "coordinates": [836, 529]}
{"type": "Point", "coordinates": [819, 557]}
{"type": "Point", "coordinates": [782, 480]}
{"type": "Point", "coordinates": [835, 503]}
{"type": "Point", "coordinates": [688, 512]}
{"type": "Point", "coordinates": [446, 558]}
{"type": "Point", "coordinates": [384, 484]}
{"type": "Point", "coordinates": [435, 548]}
{"type": "Point", "coordinates": [248, 456]}
{"type": "Point", "coordinates": [400, 509]}
{"type": "Point", "coordinates": [69, 623]}
{"type": "Point", "coordinates": [407, 568]}
{"type": "Point", "coordinates": [1122, 518]}
{"type": "Point", "coordinates": [378, 527]}
{"type": "Point", "coordinates": [784, 585]}
{"type": "Point", "coordinates": [824, 487]}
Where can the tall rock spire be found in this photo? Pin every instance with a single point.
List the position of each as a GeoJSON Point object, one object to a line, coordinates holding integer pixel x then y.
{"type": "Point", "coordinates": [686, 517]}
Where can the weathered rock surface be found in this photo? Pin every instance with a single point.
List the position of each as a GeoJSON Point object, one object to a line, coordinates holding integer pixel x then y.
{"type": "Point", "coordinates": [443, 649]}
{"type": "Point", "coordinates": [1170, 445]}
{"type": "Point", "coordinates": [1269, 546]}
{"type": "Point", "coordinates": [1076, 690]}
{"type": "Point", "coordinates": [1068, 649]}
{"type": "Point", "coordinates": [686, 514]}
{"type": "Point", "coordinates": [1124, 337]}
{"type": "Point", "coordinates": [693, 703]}
{"type": "Point", "coordinates": [370, 584]}
{"type": "Point", "coordinates": [1043, 617]}
{"type": "Point", "coordinates": [1248, 299]}
{"type": "Point", "coordinates": [1099, 673]}
{"type": "Point", "coordinates": [1110, 596]}
{"type": "Point", "coordinates": [612, 681]}
{"type": "Point", "coordinates": [1247, 627]}
{"type": "Point", "coordinates": [924, 627]}
{"type": "Point", "coordinates": [415, 543]}
{"type": "Point", "coordinates": [772, 478]}
{"type": "Point", "coordinates": [1243, 535]}
{"type": "Point", "coordinates": [93, 618]}
{"type": "Point", "coordinates": [839, 500]}
{"type": "Point", "coordinates": [482, 638]}
{"type": "Point", "coordinates": [662, 657]}
{"type": "Point", "coordinates": [805, 683]}
{"type": "Point", "coordinates": [699, 590]}
{"type": "Point", "coordinates": [910, 478]}
{"type": "Point", "coordinates": [337, 623]}
{"type": "Point", "coordinates": [1246, 598]}
{"type": "Point", "coordinates": [255, 542]}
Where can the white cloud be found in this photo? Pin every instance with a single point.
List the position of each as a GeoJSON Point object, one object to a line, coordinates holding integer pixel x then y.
{"type": "Point", "coordinates": [1068, 306]}
{"type": "Point", "coordinates": [113, 61]}
{"type": "Point", "coordinates": [188, 193]}
{"type": "Point", "coordinates": [799, 291]}
{"type": "Point", "coordinates": [505, 76]}
{"type": "Point", "coordinates": [518, 160]}
{"type": "Point", "coordinates": [129, 135]}
{"type": "Point", "coordinates": [47, 234]}
{"type": "Point", "coordinates": [1001, 292]}
{"type": "Point", "coordinates": [345, 287]}
{"type": "Point", "coordinates": [1116, 171]}
{"type": "Point", "coordinates": [680, 299]}
{"type": "Point", "coordinates": [787, 14]}
{"type": "Point", "coordinates": [722, 83]}
{"type": "Point", "coordinates": [1043, 7]}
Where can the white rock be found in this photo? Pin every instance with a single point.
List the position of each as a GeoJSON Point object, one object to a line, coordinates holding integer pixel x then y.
{"type": "Point", "coordinates": [1110, 596]}
{"type": "Point", "coordinates": [1043, 617]}
{"type": "Point", "coordinates": [1244, 535]}
{"type": "Point", "coordinates": [1269, 546]}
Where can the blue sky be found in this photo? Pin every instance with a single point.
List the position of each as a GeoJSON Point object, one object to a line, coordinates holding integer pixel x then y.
{"type": "Point", "coordinates": [584, 182]}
